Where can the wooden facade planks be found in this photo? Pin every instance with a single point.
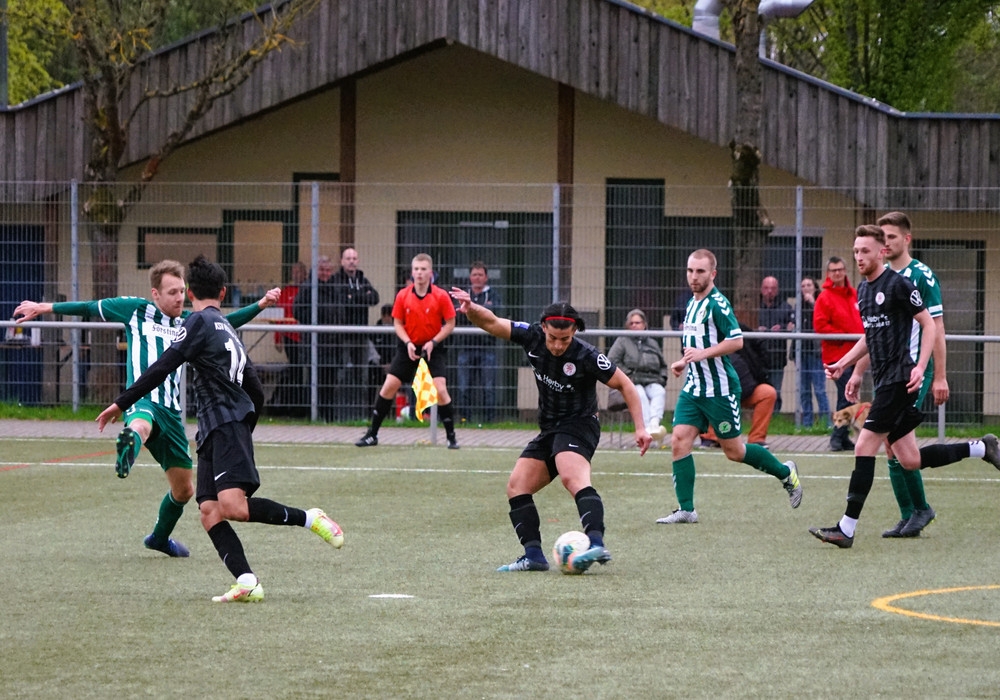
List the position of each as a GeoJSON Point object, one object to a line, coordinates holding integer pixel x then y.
{"type": "Point", "coordinates": [604, 48]}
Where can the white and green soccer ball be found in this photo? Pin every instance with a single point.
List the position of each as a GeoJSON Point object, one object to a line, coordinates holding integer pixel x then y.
{"type": "Point", "coordinates": [567, 546]}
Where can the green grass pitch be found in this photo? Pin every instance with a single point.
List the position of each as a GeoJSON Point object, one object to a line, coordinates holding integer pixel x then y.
{"type": "Point", "coordinates": [743, 604]}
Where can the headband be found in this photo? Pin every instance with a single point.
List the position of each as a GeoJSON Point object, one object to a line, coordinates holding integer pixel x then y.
{"type": "Point", "coordinates": [559, 318]}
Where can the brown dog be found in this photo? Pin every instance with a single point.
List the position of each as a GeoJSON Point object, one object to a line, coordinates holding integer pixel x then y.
{"type": "Point", "coordinates": [853, 416]}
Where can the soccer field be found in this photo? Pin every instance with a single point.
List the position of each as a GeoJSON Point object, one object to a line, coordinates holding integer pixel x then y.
{"type": "Point", "coordinates": [743, 604]}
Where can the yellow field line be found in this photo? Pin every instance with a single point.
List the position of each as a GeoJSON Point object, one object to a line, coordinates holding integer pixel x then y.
{"type": "Point", "coordinates": [885, 604]}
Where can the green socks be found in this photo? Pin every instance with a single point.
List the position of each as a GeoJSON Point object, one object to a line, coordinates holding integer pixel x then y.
{"type": "Point", "coordinates": [170, 513]}
{"type": "Point", "coordinates": [684, 482]}
{"type": "Point", "coordinates": [908, 487]}
{"type": "Point", "coordinates": [763, 461]}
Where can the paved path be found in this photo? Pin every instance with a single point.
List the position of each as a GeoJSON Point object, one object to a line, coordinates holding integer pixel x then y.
{"type": "Point", "coordinates": [388, 435]}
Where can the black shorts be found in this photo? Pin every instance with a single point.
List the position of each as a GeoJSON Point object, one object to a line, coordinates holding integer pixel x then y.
{"type": "Point", "coordinates": [580, 435]}
{"type": "Point", "coordinates": [893, 412]}
{"type": "Point", "coordinates": [225, 461]}
{"type": "Point", "coordinates": [405, 369]}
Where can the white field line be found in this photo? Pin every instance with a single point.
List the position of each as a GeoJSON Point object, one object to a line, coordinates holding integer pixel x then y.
{"type": "Point", "coordinates": [750, 474]}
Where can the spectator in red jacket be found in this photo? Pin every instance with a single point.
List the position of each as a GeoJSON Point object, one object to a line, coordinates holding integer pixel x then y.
{"type": "Point", "coordinates": [836, 311]}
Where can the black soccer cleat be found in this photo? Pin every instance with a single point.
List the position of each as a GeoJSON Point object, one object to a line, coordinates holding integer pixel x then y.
{"type": "Point", "coordinates": [833, 535]}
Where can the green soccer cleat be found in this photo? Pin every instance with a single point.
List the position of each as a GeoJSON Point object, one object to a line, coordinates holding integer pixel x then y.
{"type": "Point", "coordinates": [125, 445]}
{"type": "Point", "coordinates": [240, 593]}
{"type": "Point", "coordinates": [325, 527]}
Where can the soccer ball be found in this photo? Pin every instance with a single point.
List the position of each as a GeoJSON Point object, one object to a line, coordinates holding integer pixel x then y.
{"type": "Point", "coordinates": [568, 545]}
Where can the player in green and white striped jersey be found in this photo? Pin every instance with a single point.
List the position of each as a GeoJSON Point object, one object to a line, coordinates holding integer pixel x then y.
{"type": "Point", "coordinates": [711, 392]}
{"type": "Point", "coordinates": [155, 421]}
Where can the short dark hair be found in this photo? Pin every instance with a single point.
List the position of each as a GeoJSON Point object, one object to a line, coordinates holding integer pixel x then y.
{"type": "Point", "coordinates": [895, 218]}
{"type": "Point", "coordinates": [386, 309]}
{"type": "Point", "coordinates": [206, 279]}
{"type": "Point", "coordinates": [478, 265]}
{"type": "Point", "coordinates": [560, 315]}
{"type": "Point", "coordinates": [835, 260]}
{"type": "Point", "coordinates": [870, 230]}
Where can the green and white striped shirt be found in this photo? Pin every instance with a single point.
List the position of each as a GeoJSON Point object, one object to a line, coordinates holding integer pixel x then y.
{"type": "Point", "coordinates": [707, 322]}
{"type": "Point", "coordinates": [926, 282]}
{"type": "Point", "coordinates": [148, 332]}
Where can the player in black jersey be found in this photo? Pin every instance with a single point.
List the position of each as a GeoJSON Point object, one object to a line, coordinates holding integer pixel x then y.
{"type": "Point", "coordinates": [566, 372]}
{"type": "Point", "coordinates": [889, 305]}
{"type": "Point", "coordinates": [227, 475]}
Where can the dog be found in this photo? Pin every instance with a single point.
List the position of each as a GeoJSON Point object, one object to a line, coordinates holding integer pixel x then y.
{"type": "Point", "coordinates": [853, 416]}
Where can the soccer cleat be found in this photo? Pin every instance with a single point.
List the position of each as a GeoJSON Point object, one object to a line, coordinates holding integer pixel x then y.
{"type": "Point", "coordinates": [240, 593]}
{"type": "Point", "coordinates": [125, 446]}
{"type": "Point", "coordinates": [452, 444]}
{"type": "Point", "coordinates": [679, 516]}
{"type": "Point", "coordinates": [172, 548]}
{"type": "Point", "coordinates": [523, 563]}
{"type": "Point", "coordinates": [324, 526]}
{"type": "Point", "coordinates": [792, 484]}
{"type": "Point", "coordinates": [897, 529]}
{"type": "Point", "coordinates": [368, 440]}
{"type": "Point", "coordinates": [584, 560]}
{"type": "Point", "coordinates": [833, 535]}
{"type": "Point", "coordinates": [917, 522]}
{"type": "Point", "coordinates": [992, 450]}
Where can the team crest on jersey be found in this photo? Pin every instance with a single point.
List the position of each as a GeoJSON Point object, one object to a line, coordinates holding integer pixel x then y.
{"type": "Point", "coordinates": [569, 369]}
{"type": "Point", "coordinates": [603, 362]}
{"type": "Point", "coordinates": [879, 298]}
{"type": "Point", "coordinates": [725, 426]}
{"type": "Point", "coordinates": [915, 298]}
{"type": "Point", "coordinates": [181, 335]}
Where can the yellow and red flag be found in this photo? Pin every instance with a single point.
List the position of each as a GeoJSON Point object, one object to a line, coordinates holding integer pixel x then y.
{"type": "Point", "coordinates": [423, 387]}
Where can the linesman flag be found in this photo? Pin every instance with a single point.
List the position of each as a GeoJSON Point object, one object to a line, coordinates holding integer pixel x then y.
{"type": "Point", "coordinates": [423, 387]}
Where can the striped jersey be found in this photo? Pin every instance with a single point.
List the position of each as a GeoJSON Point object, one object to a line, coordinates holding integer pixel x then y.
{"type": "Point", "coordinates": [148, 332]}
{"type": "Point", "coordinates": [567, 384]}
{"type": "Point", "coordinates": [926, 282]}
{"type": "Point", "coordinates": [888, 305]}
{"type": "Point", "coordinates": [707, 322]}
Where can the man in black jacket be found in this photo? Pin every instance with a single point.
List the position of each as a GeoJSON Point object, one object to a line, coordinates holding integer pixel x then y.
{"type": "Point", "coordinates": [352, 295]}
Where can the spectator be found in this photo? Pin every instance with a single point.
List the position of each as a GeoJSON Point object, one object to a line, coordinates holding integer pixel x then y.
{"type": "Point", "coordinates": [641, 359]}
{"type": "Point", "coordinates": [327, 314]}
{"type": "Point", "coordinates": [477, 355]}
{"type": "Point", "coordinates": [836, 311]}
{"type": "Point", "coordinates": [758, 394]}
{"type": "Point", "coordinates": [775, 315]}
{"type": "Point", "coordinates": [812, 376]}
{"type": "Point", "coordinates": [291, 391]}
{"type": "Point", "coordinates": [353, 293]}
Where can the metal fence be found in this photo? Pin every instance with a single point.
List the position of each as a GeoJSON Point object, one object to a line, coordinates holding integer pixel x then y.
{"type": "Point", "coordinates": [607, 248]}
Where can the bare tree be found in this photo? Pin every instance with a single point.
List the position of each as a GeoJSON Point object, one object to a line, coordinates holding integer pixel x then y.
{"type": "Point", "coordinates": [112, 39]}
{"type": "Point", "coordinates": [751, 224]}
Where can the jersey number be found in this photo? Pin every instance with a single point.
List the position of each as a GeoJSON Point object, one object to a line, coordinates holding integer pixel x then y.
{"type": "Point", "coordinates": [237, 361]}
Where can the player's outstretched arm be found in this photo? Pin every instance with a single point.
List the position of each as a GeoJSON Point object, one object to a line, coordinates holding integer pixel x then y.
{"type": "Point", "coordinates": [28, 310]}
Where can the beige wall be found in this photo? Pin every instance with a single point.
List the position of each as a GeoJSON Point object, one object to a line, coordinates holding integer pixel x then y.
{"type": "Point", "coordinates": [457, 130]}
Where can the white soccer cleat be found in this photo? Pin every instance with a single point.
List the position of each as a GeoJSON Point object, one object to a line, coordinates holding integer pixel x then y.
{"type": "Point", "coordinates": [679, 516]}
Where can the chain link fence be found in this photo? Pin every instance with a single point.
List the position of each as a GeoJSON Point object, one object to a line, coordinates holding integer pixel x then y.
{"type": "Point", "coordinates": [607, 248]}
